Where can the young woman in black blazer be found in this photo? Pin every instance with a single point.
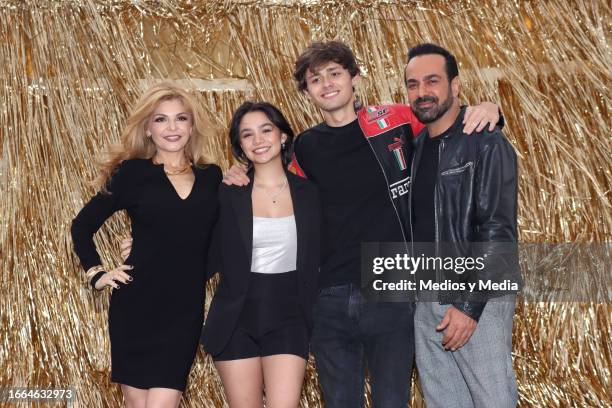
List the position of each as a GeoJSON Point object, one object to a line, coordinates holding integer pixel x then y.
{"type": "Point", "coordinates": [267, 247]}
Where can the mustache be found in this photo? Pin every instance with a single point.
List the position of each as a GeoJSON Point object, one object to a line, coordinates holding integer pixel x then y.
{"type": "Point", "coordinates": [425, 99]}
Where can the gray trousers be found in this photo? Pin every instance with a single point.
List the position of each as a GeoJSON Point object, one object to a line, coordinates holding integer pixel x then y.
{"type": "Point", "coordinates": [480, 373]}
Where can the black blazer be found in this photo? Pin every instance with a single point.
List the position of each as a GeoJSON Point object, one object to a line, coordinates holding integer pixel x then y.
{"type": "Point", "coordinates": [231, 253]}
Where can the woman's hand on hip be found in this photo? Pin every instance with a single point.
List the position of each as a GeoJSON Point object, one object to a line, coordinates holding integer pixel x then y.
{"type": "Point", "coordinates": [113, 276]}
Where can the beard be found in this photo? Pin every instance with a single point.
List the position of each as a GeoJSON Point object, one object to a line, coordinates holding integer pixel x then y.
{"type": "Point", "coordinates": [435, 111]}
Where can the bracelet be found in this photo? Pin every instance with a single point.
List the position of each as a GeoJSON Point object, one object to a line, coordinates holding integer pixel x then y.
{"type": "Point", "coordinates": [92, 271]}
{"type": "Point", "coordinates": [95, 279]}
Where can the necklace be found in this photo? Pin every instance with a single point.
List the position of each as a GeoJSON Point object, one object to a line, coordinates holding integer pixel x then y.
{"type": "Point", "coordinates": [273, 196]}
{"type": "Point", "coordinates": [175, 172]}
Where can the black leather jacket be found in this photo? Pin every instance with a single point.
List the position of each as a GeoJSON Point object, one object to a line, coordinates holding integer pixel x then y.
{"type": "Point", "coordinates": [475, 203]}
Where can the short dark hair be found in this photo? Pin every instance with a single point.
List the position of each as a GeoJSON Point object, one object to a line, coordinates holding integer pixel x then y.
{"type": "Point", "coordinates": [274, 115]}
{"type": "Point", "coordinates": [319, 53]}
{"type": "Point", "coordinates": [428, 48]}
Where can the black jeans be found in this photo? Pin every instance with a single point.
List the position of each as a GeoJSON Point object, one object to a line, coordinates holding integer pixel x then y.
{"type": "Point", "coordinates": [349, 333]}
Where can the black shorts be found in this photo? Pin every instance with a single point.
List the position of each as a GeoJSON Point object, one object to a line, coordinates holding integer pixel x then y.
{"type": "Point", "coordinates": [271, 321]}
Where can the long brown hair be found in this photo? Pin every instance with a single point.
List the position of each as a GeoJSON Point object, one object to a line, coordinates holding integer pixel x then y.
{"type": "Point", "coordinates": [134, 143]}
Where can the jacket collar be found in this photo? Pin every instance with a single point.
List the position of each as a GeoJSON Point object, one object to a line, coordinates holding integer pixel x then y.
{"type": "Point", "coordinates": [457, 126]}
{"type": "Point", "coordinates": [301, 214]}
{"type": "Point", "coordinates": [243, 208]}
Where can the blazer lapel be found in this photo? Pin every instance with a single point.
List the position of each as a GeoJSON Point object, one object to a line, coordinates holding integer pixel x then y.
{"type": "Point", "coordinates": [243, 207]}
{"type": "Point", "coordinates": [300, 212]}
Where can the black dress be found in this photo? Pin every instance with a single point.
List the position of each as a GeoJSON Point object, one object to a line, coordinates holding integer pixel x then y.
{"type": "Point", "coordinates": [155, 321]}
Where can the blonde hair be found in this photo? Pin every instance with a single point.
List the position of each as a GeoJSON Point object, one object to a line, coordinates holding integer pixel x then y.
{"type": "Point", "coordinates": [136, 145]}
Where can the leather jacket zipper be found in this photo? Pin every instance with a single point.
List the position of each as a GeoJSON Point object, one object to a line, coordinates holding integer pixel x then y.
{"type": "Point", "coordinates": [416, 292]}
{"type": "Point", "coordinates": [457, 170]}
{"type": "Point", "coordinates": [436, 205]}
{"type": "Point", "coordinates": [382, 169]}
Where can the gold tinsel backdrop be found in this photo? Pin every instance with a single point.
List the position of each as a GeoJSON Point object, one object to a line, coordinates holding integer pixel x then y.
{"type": "Point", "coordinates": [70, 70]}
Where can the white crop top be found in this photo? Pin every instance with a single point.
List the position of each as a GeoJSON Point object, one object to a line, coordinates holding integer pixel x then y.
{"type": "Point", "coordinates": [274, 245]}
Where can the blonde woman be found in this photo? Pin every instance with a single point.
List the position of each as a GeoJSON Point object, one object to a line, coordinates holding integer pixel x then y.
{"type": "Point", "coordinates": [162, 176]}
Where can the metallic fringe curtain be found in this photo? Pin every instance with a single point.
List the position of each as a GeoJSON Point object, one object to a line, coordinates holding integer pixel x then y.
{"type": "Point", "coordinates": [70, 70]}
